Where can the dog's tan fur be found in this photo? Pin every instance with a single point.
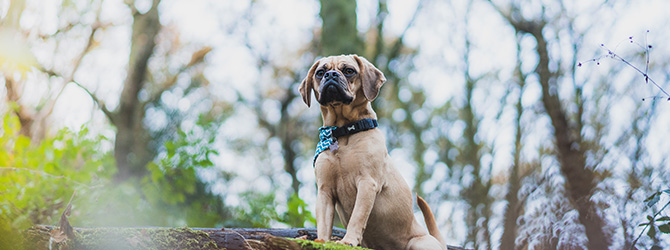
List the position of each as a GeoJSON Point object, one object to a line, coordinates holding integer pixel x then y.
{"type": "Point", "coordinates": [358, 180]}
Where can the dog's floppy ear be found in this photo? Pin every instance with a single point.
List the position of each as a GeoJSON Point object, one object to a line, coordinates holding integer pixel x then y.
{"type": "Point", "coordinates": [372, 78]}
{"type": "Point", "coordinates": [306, 85]}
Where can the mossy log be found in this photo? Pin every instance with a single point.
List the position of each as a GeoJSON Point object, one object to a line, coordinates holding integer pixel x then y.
{"type": "Point", "coordinates": [41, 237]}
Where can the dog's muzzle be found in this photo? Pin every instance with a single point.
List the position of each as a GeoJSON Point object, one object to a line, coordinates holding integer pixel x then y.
{"type": "Point", "coordinates": [333, 89]}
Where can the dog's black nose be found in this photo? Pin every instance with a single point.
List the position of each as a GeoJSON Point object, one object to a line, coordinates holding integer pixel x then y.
{"type": "Point", "coordinates": [331, 75]}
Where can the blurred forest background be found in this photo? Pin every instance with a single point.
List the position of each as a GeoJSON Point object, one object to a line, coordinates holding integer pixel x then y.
{"type": "Point", "coordinates": [511, 117]}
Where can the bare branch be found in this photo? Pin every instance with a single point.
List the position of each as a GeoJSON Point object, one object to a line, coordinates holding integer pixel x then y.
{"type": "Point", "coordinates": [48, 174]}
{"type": "Point", "coordinates": [398, 43]}
{"type": "Point", "coordinates": [197, 58]}
{"type": "Point", "coordinates": [110, 115]}
{"type": "Point", "coordinates": [49, 106]}
{"type": "Point", "coordinates": [131, 5]}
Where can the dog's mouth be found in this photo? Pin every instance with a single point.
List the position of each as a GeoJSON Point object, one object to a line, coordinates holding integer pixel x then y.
{"type": "Point", "coordinates": [332, 92]}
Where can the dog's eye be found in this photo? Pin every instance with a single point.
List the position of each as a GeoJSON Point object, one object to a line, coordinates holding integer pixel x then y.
{"type": "Point", "coordinates": [320, 73]}
{"type": "Point", "coordinates": [349, 71]}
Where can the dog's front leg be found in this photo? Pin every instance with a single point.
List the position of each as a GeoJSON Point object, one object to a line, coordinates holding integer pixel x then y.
{"type": "Point", "coordinates": [325, 207]}
{"type": "Point", "coordinates": [367, 190]}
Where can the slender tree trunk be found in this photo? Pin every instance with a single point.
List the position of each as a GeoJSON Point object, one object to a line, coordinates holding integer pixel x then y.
{"type": "Point", "coordinates": [470, 153]}
{"type": "Point", "coordinates": [512, 210]}
{"type": "Point", "coordinates": [288, 134]}
{"type": "Point", "coordinates": [580, 181]}
{"type": "Point", "coordinates": [131, 147]}
{"type": "Point", "coordinates": [34, 120]}
{"type": "Point", "coordinates": [26, 118]}
{"type": "Point", "coordinates": [339, 34]}
{"type": "Point", "coordinates": [14, 13]}
{"type": "Point", "coordinates": [477, 194]}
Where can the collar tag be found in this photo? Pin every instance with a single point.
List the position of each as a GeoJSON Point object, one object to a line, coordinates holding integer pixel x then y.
{"type": "Point", "coordinates": [334, 146]}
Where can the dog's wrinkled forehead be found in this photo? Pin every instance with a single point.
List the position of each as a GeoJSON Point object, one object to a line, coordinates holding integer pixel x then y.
{"type": "Point", "coordinates": [338, 63]}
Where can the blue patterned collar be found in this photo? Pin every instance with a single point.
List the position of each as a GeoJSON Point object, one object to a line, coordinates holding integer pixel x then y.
{"type": "Point", "coordinates": [328, 135]}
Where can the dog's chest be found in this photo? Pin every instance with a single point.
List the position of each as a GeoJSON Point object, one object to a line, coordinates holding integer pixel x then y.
{"type": "Point", "coordinates": [344, 168]}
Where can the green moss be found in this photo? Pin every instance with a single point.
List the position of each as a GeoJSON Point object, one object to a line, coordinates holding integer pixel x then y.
{"type": "Point", "coordinates": [33, 238]}
{"type": "Point", "coordinates": [112, 238]}
{"type": "Point", "coordinates": [312, 245]}
{"type": "Point", "coordinates": [124, 238]}
{"type": "Point", "coordinates": [181, 238]}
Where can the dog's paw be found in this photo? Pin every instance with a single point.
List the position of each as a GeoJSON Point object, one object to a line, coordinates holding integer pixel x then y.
{"type": "Point", "coordinates": [346, 243]}
{"type": "Point", "coordinates": [302, 237]}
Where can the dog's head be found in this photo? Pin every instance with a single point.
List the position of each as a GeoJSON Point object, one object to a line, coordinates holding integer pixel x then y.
{"type": "Point", "coordinates": [341, 79]}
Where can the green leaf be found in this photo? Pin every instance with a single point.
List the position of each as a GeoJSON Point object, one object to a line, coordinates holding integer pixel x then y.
{"type": "Point", "coordinates": [652, 232]}
{"type": "Point", "coordinates": [664, 218]}
{"type": "Point", "coordinates": [665, 228]}
{"type": "Point", "coordinates": [653, 199]}
{"type": "Point", "coordinates": [171, 149]}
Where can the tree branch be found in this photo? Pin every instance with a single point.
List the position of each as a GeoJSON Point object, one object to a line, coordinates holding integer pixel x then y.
{"type": "Point", "coordinates": [197, 58]}
{"type": "Point", "coordinates": [395, 48]}
{"type": "Point", "coordinates": [49, 107]}
{"type": "Point", "coordinates": [110, 115]}
{"type": "Point", "coordinates": [34, 171]}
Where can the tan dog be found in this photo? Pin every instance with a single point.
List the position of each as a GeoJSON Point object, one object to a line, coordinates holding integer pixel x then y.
{"type": "Point", "coordinates": [356, 177]}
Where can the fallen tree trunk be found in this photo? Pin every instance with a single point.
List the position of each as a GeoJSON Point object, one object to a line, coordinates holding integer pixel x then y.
{"type": "Point", "coordinates": [42, 237]}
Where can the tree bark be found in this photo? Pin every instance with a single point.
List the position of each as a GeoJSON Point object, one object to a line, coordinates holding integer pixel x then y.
{"type": "Point", "coordinates": [288, 134]}
{"type": "Point", "coordinates": [39, 237]}
{"type": "Point", "coordinates": [26, 116]}
{"type": "Point", "coordinates": [131, 147]}
{"type": "Point", "coordinates": [339, 33]}
{"type": "Point", "coordinates": [579, 180]}
{"type": "Point", "coordinates": [513, 210]}
{"type": "Point", "coordinates": [477, 193]}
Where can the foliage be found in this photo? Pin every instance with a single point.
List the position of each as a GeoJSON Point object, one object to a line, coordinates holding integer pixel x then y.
{"type": "Point", "coordinates": [654, 223]}
{"type": "Point", "coordinates": [9, 237]}
{"type": "Point", "coordinates": [173, 180]}
{"type": "Point", "coordinates": [260, 211]}
{"type": "Point", "coordinates": [297, 213]}
{"type": "Point", "coordinates": [39, 178]}
{"type": "Point", "coordinates": [172, 193]}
